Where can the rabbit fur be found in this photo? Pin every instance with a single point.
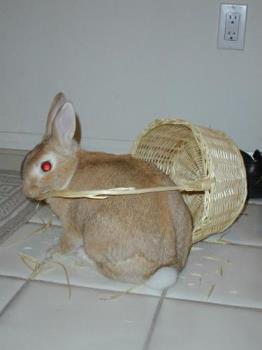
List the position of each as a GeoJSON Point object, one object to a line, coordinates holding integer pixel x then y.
{"type": "Point", "coordinates": [129, 238]}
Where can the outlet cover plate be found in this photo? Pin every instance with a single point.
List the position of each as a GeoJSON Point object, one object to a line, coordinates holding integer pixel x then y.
{"type": "Point", "coordinates": [232, 26]}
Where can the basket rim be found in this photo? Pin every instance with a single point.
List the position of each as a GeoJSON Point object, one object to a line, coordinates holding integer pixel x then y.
{"type": "Point", "coordinates": [162, 121]}
{"type": "Point", "coordinates": [196, 132]}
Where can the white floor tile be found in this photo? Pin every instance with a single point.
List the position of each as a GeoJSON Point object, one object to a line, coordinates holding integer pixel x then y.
{"type": "Point", "coordinates": [42, 317]}
{"type": "Point", "coordinates": [8, 288]}
{"type": "Point", "coordinates": [226, 274]}
{"type": "Point", "coordinates": [247, 230]}
{"type": "Point", "coordinates": [45, 215]}
{"type": "Point", "coordinates": [26, 240]}
{"type": "Point", "coordinates": [197, 326]}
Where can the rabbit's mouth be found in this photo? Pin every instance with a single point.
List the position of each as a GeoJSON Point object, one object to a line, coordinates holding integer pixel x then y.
{"type": "Point", "coordinates": [34, 192]}
{"type": "Point", "coordinates": [31, 193]}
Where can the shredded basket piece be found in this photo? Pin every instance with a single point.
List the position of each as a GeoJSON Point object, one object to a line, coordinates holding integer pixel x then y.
{"type": "Point", "coordinates": [210, 291]}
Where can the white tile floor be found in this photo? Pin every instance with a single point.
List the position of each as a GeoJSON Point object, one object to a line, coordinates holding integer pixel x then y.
{"type": "Point", "coordinates": [216, 303]}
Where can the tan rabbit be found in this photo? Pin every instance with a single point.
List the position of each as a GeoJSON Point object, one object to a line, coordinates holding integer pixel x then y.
{"type": "Point", "coordinates": [129, 238]}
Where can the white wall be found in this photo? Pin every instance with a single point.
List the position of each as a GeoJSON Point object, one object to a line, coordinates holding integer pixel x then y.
{"type": "Point", "coordinates": [124, 63]}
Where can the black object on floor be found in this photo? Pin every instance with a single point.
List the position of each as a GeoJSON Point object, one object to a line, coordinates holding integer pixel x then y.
{"type": "Point", "coordinates": [253, 166]}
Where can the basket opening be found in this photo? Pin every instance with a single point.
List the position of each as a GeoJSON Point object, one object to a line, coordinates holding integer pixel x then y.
{"type": "Point", "coordinates": [190, 153]}
{"type": "Point", "coordinates": [175, 151]}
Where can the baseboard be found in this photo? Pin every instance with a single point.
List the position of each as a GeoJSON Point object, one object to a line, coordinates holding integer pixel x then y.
{"type": "Point", "coordinates": [11, 159]}
{"type": "Point", "coordinates": [18, 141]}
{"type": "Point", "coordinates": [12, 152]}
{"type": "Point", "coordinates": [26, 141]}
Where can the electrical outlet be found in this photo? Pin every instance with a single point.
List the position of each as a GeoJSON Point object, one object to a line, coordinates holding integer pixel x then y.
{"type": "Point", "coordinates": [232, 26]}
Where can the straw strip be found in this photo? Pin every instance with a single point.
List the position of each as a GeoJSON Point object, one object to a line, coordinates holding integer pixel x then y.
{"type": "Point", "coordinates": [195, 186]}
{"type": "Point", "coordinates": [38, 266]}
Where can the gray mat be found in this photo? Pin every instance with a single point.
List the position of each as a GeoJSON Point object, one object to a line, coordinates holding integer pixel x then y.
{"type": "Point", "coordinates": [15, 209]}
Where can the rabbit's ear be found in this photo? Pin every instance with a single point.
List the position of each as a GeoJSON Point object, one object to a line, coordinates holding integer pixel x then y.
{"type": "Point", "coordinates": [64, 125]}
{"type": "Point", "coordinates": [58, 101]}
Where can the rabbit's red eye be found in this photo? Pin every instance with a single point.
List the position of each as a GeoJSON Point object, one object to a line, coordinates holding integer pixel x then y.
{"type": "Point", "coordinates": [46, 166]}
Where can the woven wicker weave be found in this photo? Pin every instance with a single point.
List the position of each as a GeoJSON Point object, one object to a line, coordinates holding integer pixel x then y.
{"type": "Point", "coordinates": [188, 153]}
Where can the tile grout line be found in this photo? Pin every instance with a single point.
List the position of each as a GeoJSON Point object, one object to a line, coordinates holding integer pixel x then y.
{"type": "Point", "coordinates": [204, 302]}
{"type": "Point", "coordinates": [19, 291]}
{"type": "Point", "coordinates": [154, 320]}
{"type": "Point", "coordinates": [179, 299]}
{"type": "Point", "coordinates": [236, 244]}
{"type": "Point", "coordinates": [216, 304]}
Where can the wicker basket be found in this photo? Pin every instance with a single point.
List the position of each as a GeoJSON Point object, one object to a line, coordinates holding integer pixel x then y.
{"type": "Point", "coordinates": [189, 153]}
